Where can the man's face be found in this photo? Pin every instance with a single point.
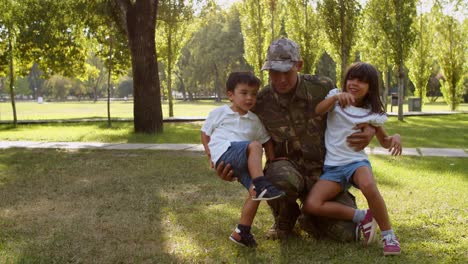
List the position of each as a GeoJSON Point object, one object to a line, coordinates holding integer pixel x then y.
{"type": "Point", "coordinates": [284, 82]}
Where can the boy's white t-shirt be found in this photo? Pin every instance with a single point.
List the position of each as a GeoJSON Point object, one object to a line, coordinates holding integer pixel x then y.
{"type": "Point", "coordinates": [225, 126]}
{"type": "Point", "coordinates": [340, 124]}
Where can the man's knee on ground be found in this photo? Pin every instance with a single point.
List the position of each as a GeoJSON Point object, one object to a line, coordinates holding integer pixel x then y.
{"type": "Point", "coordinates": [312, 207]}
{"type": "Point", "coordinates": [284, 176]}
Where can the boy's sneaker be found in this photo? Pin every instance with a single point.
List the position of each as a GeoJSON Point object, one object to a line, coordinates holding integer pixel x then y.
{"type": "Point", "coordinates": [242, 239]}
{"type": "Point", "coordinates": [391, 245]}
{"type": "Point", "coordinates": [368, 227]}
{"type": "Point", "coordinates": [266, 191]}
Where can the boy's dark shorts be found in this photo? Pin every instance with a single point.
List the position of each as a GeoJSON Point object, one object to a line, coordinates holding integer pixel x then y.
{"type": "Point", "coordinates": [236, 155]}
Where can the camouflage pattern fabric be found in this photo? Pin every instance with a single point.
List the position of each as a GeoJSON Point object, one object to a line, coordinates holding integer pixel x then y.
{"type": "Point", "coordinates": [281, 56]}
{"type": "Point", "coordinates": [298, 135]}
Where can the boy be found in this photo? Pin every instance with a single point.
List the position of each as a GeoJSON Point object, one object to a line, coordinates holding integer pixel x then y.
{"type": "Point", "coordinates": [234, 135]}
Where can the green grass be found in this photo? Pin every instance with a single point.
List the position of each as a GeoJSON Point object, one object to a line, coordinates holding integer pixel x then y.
{"type": "Point", "coordinates": [447, 131]}
{"type": "Point", "coordinates": [121, 132]}
{"type": "Point", "coordinates": [119, 109]}
{"type": "Point", "coordinates": [87, 109]}
{"type": "Point", "coordinates": [96, 206]}
{"type": "Point", "coordinates": [443, 131]}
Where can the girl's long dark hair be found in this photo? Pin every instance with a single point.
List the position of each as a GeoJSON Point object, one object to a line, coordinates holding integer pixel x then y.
{"type": "Point", "coordinates": [367, 73]}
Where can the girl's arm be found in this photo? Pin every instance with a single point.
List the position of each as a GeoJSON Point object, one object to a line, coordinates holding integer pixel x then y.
{"type": "Point", "coordinates": [269, 150]}
{"type": "Point", "coordinates": [392, 143]}
{"type": "Point", "coordinates": [327, 104]}
{"type": "Point", "coordinates": [205, 139]}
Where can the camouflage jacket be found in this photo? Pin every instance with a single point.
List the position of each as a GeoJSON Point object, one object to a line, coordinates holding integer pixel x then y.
{"type": "Point", "coordinates": [297, 132]}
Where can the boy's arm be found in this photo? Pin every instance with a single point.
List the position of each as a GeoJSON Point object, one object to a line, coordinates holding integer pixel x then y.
{"type": "Point", "coordinates": [269, 150]}
{"type": "Point", "coordinates": [392, 143]}
{"type": "Point", "coordinates": [205, 139]}
{"type": "Point", "coordinates": [327, 104]}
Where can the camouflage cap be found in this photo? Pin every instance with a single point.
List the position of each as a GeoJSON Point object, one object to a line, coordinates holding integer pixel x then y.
{"type": "Point", "coordinates": [281, 56]}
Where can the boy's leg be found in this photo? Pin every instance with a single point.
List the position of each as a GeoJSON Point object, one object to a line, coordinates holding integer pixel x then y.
{"type": "Point", "coordinates": [319, 201]}
{"type": "Point", "coordinates": [254, 159]}
{"type": "Point", "coordinates": [264, 189]}
{"type": "Point", "coordinates": [242, 235]}
{"type": "Point", "coordinates": [249, 210]}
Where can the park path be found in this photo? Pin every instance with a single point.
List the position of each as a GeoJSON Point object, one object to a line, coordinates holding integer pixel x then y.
{"type": "Point", "coordinates": [423, 152]}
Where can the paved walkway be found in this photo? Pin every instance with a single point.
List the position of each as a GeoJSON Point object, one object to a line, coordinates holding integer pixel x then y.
{"type": "Point", "coordinates": [424, 152]}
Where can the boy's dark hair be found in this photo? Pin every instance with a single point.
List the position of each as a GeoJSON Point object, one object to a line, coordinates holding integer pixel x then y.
{"type": "Point", "coordinates": [236, 78]}
{"type": "Point", "coordinates": [367, 73]}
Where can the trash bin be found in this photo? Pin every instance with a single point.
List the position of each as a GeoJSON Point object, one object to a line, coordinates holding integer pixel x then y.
{"type": "Point", "coordinates": [394, 99]}
{"type": "Point", "coordinates": [414, 104]}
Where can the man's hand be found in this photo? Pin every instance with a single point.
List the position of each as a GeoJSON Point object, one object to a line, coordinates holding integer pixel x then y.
{"type": "Point", "coordinates": [359, 140]}
{"type": "Point", "coordinates": [225, 172]}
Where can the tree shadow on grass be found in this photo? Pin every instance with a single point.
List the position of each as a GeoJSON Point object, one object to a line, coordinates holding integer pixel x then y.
{"type": "Point", "coordinates": [80, 207]}
{"type": "Point", "coordinates": [153, 207]}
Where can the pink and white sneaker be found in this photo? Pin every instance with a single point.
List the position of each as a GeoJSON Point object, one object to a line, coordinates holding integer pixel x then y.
{"type": "Point", "coordinates": [391, 245]}
{"type": "Point", "coordinates": [368, 227]}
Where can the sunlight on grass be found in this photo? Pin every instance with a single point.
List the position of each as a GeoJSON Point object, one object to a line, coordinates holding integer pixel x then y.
{"type": "Point", "coordinates": [119, 109]}
{"type": "Point", "coordinates": [449, 131]}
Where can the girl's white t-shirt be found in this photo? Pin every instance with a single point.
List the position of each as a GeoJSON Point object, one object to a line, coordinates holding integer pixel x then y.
{"type": "Point", "coordinates": [340, 124]}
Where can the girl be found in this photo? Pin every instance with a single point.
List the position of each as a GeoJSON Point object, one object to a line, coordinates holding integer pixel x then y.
{"type": "Point", "coordinates": [359, 102]}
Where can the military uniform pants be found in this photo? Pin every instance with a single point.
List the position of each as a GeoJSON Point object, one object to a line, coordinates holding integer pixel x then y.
{"type": "Point", "coordinates": [285, 176]}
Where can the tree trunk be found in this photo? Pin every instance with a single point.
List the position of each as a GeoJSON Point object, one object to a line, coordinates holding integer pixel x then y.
{"type": "Point", "coordinates": [260, 40]}
{"type": "Point", "coordinates": [400, 64]}
{"type": "Point", "coordinates": [344, 54]}
{"type": "Point", "coordinates": [109, 74]}
{"type": "Point", "coordinates": [169, 71]}
{"type": "Point", "coordinates": [139, 20]}
{"type": "Point", "coordinates": [12, 78]}
{"type": "Point", "coordinates": [272, 22]}
{"type": "Point", "coordinates": [217, 90]}
{"type": "Point", "coordinates": [182, 87]}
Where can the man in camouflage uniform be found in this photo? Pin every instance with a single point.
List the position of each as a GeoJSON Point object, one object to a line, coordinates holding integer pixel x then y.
{"type": "Point", "coordinates": [287, 109]}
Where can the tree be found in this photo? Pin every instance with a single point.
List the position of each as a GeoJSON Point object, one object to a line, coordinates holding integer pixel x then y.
{"type": "Point", "coordinates": [58, 87]}
{"type": "Point", "coordinates": [213, 51]}
{"type": "Point", "coordinates": [396, 25]}
{"type": "Point", "coordinates": [302, 26]}
{"type": "Point", "coordinates": [340, 22]}
{"type": "Point", "coordinates": [108, 42]}
{"type": "Point", "coordinates": [174, 17]}
{"type": "Point", "coordinates": [36, 80]}
{"type": "Point", "coordinates": [452, 46]}
{"type": "Point", "coordinates": [52, 35]}
{"type": "Point", "coordinates": [421, 57]}
{"type": "Point", "coordinates": [326, 67]}
{"type": "Point", "coordinates": [433, 85]}
{"type": "Point", "coordinates": [94, 74]}
{"type": "Point", "coordinates": [374, 48]}
{"type": "Point", "coordinates": [254, 30]}
{"type": "Point", "coordinates": [8, 33]}
{"type": "Point", "coordinates": [45, 32]}
{"type": "Point", "coordinates": [138, 20]}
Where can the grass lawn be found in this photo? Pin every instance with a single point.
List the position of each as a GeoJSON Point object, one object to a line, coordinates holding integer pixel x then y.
{"type": "Point", "coordinates": [447, 131]}
{"type": "Point", "coordinates": [87, 109]}
{"type": "Point", "coordinates": [97, 206]}
{"type": "Point", "coordinates": [120, 109]}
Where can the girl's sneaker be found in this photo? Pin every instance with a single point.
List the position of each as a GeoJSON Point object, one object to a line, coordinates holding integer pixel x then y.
{"type": "Point", "coordinates": [368, 227]}
{"type": "Point", "coordinates": [391, 245]}
{"type": "Point", "coordinates": [243, 239]}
